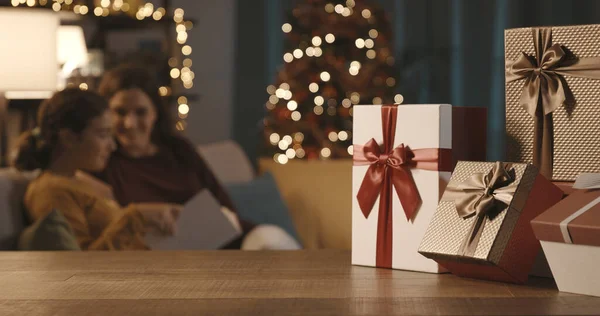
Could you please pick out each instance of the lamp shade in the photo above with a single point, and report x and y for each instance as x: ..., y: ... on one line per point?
x: 71, y: 46
x: 28, y: 55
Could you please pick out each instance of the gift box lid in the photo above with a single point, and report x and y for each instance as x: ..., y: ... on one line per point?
x: 575, y: 219
x: 448, y: 230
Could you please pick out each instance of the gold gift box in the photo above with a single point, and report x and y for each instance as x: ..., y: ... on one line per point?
x: 576, y: 127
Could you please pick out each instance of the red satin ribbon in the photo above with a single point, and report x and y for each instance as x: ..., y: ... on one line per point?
x: 390, y: 167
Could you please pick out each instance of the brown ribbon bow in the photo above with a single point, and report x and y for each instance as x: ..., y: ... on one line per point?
x: 390, y: 167
x: 480, y: 195
x: 543, y: 76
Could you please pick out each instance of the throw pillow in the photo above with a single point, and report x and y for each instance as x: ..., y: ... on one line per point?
x: 259, y: 201
x: 51, y: 232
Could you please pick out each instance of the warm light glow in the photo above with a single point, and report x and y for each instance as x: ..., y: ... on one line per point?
x: 318, y: 52
x: 186, y: 50
x: 125, y: 7
x: 283, y: 145
x: 182, y: 99
x: 104, y: 3
x: 296, y: 116
x: 181, y: 37
x: 83, y: 86
x: 353, y: 71
x: 319, y: 100
x: 280, y: 93
x: 398, y: 98
x: 331, y: 110
x: 180, y: 125
x: 271, y: 89
x: 339, y: 9
x: 187, y: 62
x: 179, y: 28
x: 98, y: 11
x: 83, y: 10
x: 288, y: 57
x: 298, y: 53
x: 318, y: 110
x: 287, y: 139
x: 366, y: 13
x: 274, y: 99
x: 313, y: 87
x: 163, y: 91
x: 360, y: 43
x: 371, y: 54
x: 346, y: 103
x: 355, y: 97
x: 174, y: 73
x: 346, y: 12
x: 310, y: 51
x: 316, y: 41
x: 390, y: 81
x: 189, y: 25
x: 30, y: 3
x: 351, y: 150
x: 329, y: 38
x: 286, y: 28
x: 173, y: 62
x: 14, y: 3
x: 292, y: 105
x: 333, y: 136
x: 287, y: 95
x: 329, y: 8
x: 188, y: 84
x: 282, y: 159
x: 157, y: 15
x: 325, y: 152
x: 343, y: 135
x: 285, y: 86
x: 300, y: 153
x: 270, y: 105
x: 376, y: 100
x: 373, y: 33
x: 369, y: 43
x: 290, y: 153
x: 299, y: 137
x: 325, y: 76
x: 183, y: 108
x: 350, y: 3
x: 274, y: 138
x: 178, y: 12
x: 56, y: 7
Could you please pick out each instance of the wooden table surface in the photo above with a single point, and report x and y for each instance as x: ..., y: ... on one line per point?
x: 256, y: 283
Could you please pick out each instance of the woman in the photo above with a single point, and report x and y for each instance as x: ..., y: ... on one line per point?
x: 153, y: 164
x: 75, y: 133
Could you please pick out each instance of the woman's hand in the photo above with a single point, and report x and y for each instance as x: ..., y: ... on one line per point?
x: 160, y: 216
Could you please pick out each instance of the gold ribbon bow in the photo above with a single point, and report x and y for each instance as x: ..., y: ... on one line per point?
x: 481, y: 195
x: 543, y: 74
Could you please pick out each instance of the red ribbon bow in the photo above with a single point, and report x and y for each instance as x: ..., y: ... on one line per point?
x: 390, y: 167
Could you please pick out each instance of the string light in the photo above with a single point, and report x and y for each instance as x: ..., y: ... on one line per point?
x: 282, y: 159
x: 313, y: 87
x: 333, y: 136
x: 274, y: 138
x: 329, y: 8
x: 287, y: 139
x: 298, y: 53
x: 319, y: 100
x: 360, y: 43
x: 299, y: 137
x: 288, y: 57
x: 283, y: 145
x: 290, y: 153
x: 316, y: 41
x: 376, y: 100
x: 318, y: 52
x: 366, y: 13
x: 296, y: 116
x: 300, y: 153
x: 339, y: 9
x: 369, y: 43
x: 310, y: 51
x: 286, y: 28
x: 390, y: 82
x: 351, y: 150
x: 343, y: 135
x: 329, y: 38
x: 318, y: 110
x: 325, y: 76
x: 184, y: 108
x: 325, y: 152
x: 371, y: 54
x: 398, y: 98
x: 274, y: 99
x: 373, y: 33
x: 292, y: 105
x: 83, y: 86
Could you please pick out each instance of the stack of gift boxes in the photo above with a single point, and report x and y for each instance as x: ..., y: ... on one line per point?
x: 425, y: 199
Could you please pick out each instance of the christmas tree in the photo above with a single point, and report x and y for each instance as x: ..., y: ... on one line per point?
x: 337, y: 54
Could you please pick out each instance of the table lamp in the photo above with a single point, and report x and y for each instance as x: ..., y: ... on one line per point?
x: 28, y: 58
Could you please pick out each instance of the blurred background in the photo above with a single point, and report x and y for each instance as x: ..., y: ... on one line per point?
x: 277, y: 78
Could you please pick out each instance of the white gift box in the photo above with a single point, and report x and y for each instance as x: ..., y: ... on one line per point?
x: 424, y: 127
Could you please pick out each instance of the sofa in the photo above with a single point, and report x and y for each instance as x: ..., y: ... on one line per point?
x: 316, y: 194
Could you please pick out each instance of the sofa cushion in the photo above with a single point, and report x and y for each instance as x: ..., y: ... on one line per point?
x: 12, y: 219
x: 259, y: 201
x: 51, y: 232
